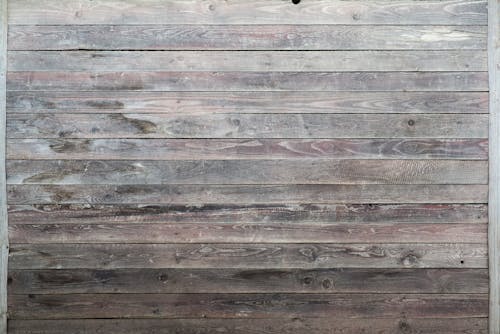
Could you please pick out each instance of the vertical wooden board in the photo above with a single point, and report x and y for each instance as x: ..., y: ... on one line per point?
x: 4, y: 248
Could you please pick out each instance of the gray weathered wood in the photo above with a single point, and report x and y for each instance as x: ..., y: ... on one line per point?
x: 246, y: 37
x: 298, y: 61
x: 248, y: 126
x: 257, y: 256
x: 247, y: 194
x: 40, y: 12
x: 304, y: 171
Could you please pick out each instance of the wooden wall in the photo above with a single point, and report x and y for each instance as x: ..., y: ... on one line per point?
x: 247, y: 166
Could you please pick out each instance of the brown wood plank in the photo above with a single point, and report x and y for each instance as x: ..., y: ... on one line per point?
x: 251, y: 326
x: 247, y: 172
x: 248, y: 81
x: 267, y: 126
x: 247, y: 194
x: 298, y: 61
x: 247, y: 102
x: 257, y: 256
x: 299, y: 213
x: 259, y: 12
x: 248, y: 281
x: 247, y: 306
x: 233, y: 149
x: 246, y: 37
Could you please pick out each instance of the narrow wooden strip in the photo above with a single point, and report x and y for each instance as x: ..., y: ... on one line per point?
x: 300, y: 213
x: 259, y: 12
x: 256, y: 256
x: 248, y: 102
x: 247, y: 194
x: 247, y: 172
x: 246, y: 126
x: 247, y: 306
x: 208, y: 149
x: 298, y: 61
x: 246, y: 37
x: 248, y: 281
x: 248, y: 81
x: 237, y: 232
x: 250, y: 326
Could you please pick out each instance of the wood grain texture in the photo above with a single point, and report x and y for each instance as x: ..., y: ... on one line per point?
x: 298, y: 213
x: 247, y: 194
x: 297, y: 61
x: 247, y: 306
x: 247, y: 256
x: 267, y: 126
x: 234, y: 149
x: 247, y: 172
x: 248, y: 281
x: 247, y: 102
x: 462, y: 12
x: 246, y: 37
x: 248, y: 81
x: 251, y: 326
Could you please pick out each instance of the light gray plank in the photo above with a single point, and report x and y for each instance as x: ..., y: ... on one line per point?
x: 39, y: 12
x: 298, y: 61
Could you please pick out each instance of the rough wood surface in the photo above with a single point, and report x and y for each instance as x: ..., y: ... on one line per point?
x: 462, y: 12
x: 297, y: 325
x: 298, y: 61
x: 248, y: 81
x: 247, y: 194
x: 246, y: 37
x: 247, y: 102
x: 267, y: 126
x: 306, y: 171
x: 257, y: 256
x: 233, y: 149
x: 248, y: 306
x: 248, y: 281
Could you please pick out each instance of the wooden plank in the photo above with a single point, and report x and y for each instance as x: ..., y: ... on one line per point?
x: 248, y: 81
x: 494, y: 191
x: 462, y: 12
x: 248, y: 102
x: 297, y: 61
x: 248, y: 281
x: 248, y: 306
x: 241, y: 233
x: 246, y: 37
x: 250, y: 326
x: 248, y: 194
x: 301, y: 213
x: 267, y: 126
x: 305, y: 171
x: 208, y: 149
x: 247, y: 256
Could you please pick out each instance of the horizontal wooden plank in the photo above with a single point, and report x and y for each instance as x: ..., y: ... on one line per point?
x: 250, y: 326
x: 240, y: 12
x: 248, y: 281
x: 247, y: 102
x: 303, y: 171
x: 247, y: 194
x: 301, y: 213
x: 248, y: 81
x: 238, y: 232
x: 258, y: 256
x: 209, y: 149
x: 297, y: 61
x: 246, y: 37
x: 247, y: 306
x: 247, y: 126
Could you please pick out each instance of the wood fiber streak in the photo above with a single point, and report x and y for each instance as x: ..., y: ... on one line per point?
x: 256, y: 256
x: 267, y: 126
x: 248, y: 281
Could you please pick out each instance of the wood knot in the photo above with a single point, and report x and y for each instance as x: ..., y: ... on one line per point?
x: 411, y: 122
x: 295, y: 2
x: 163, y: 277
x: 409, y: 260
x: 307, y: 280
x: 327, y: 284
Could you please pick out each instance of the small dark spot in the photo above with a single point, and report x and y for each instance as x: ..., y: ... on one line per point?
x: 356, y: 16
x: 411, y: 122
x: 236, y: 122
x: 404, y: 326
x: 462, y: 261
x: 211, y: 7
x: 78, y: 14
x: 94, y: 130
x: 31, y: 296
x: 307, y: 280
x: 48, y: 105
x: 156, y: 311
x: 63, y: 134
x: 327, y: 284
x: 295, y: 2
x: 10, y: 280
x: 163, y: 277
